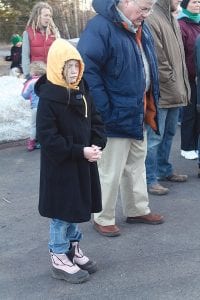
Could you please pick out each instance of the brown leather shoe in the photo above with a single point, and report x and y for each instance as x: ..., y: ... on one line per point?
x: 110, y: 230
x: 152, y: 219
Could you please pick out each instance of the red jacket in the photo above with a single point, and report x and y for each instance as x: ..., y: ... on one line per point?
x: 39, y: 45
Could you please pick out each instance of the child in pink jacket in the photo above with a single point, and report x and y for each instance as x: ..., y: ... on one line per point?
x: 37, y: 69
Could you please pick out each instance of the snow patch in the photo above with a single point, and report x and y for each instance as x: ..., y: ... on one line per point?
x: 15, y: 112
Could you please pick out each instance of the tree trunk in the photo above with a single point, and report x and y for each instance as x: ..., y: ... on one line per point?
x: 76, y: 6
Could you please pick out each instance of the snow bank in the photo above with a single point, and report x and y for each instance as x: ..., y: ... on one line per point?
x: 15, y: 112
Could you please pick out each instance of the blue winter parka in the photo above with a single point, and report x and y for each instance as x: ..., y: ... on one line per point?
x: 114, y: 71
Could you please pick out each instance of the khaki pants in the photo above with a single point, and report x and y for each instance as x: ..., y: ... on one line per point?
x: 123, y: 165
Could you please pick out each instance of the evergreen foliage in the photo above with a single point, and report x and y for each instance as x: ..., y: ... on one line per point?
x: 70, y: 16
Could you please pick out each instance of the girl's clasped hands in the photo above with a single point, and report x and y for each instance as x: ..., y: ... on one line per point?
x: 92, y: 153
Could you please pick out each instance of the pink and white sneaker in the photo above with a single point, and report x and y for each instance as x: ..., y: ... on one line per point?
x: 31, y: 145
x: 63, y: 267
x: 82, y: 260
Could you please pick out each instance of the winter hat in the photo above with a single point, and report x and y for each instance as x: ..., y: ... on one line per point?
x: 184, y: 3
x: 59, y: 53
x: 16, y: 38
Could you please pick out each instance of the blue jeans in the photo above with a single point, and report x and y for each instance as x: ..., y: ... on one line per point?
x: 62, y: 234
x: 159, y: 146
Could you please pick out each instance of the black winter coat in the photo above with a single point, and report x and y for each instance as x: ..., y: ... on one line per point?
x: 69, y: 184
x: 15, y: 57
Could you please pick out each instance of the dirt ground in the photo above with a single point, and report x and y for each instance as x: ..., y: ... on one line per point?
x: 4, y: 65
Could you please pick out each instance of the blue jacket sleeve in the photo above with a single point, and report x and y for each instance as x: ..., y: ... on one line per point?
x: 95, y: 58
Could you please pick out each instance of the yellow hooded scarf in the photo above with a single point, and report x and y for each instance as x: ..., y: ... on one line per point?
x: 59, y: 53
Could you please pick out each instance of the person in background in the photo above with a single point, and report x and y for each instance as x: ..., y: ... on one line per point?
x: 189, y: 21
x: 39, y: 35
x: 15, y: 56
x: 174, y: 93
x: 72, y: 137
x: 177, y: 11
x: 121, y: 71
x: 197, y: 52
x: 37, y: 69
x: 175, y: 14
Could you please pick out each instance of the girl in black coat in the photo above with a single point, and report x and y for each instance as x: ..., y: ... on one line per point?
x: 71, y: 135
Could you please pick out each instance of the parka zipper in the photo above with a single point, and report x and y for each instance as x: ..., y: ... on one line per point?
x: 86, y: 109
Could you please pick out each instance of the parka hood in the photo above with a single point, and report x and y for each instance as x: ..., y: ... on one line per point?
x: 56, y: 93
x: 107, y: 8
x: 60, y: 52
x: 39, y: 83
x: 165, y: 6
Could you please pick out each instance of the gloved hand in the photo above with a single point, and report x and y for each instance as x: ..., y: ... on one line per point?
x: 7, y: 58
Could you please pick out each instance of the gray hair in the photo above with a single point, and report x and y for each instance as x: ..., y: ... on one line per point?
x: 120, y: 2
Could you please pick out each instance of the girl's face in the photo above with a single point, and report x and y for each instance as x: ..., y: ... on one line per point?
x: 45, y: 17
x: 194, y: 6
x: 71, y: 71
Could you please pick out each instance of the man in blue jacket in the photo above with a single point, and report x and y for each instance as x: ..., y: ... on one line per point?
x: 121, y: 71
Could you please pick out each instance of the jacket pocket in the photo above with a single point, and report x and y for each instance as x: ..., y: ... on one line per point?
x: 115, y: 67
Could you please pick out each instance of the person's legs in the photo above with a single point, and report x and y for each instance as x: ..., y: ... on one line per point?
x: 62, y: 234
x: 63, y: 254
x: 111, y: 167
x: 180, y: 115
x: 153, y: 142
x: 164, y: 167
x: 133, y: 187
x: 189, y: 136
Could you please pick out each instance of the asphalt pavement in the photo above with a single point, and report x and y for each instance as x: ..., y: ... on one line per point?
x: 147, y: 262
